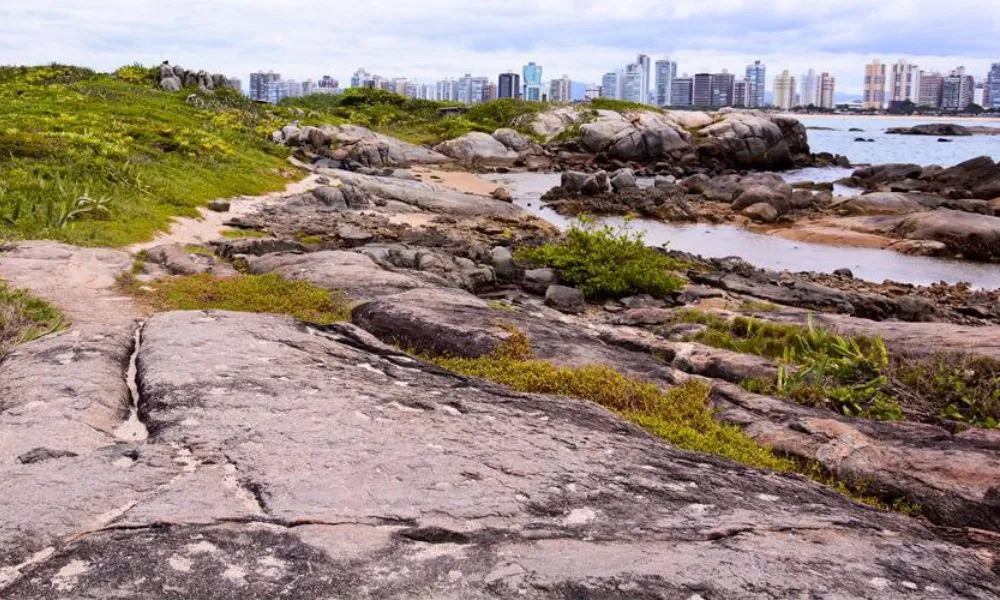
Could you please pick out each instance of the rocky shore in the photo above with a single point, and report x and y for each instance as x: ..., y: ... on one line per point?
x: 226, y: 454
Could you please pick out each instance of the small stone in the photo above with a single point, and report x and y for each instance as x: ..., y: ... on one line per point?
x: 503, y: 263
x: 502, y: 194
x: 565, y: 299
x: 537, y: 281
x: 761, y: 212
x: 219, y: 205
x: 846, y: 273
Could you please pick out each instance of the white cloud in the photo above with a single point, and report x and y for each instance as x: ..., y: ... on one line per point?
x: 430, y: 39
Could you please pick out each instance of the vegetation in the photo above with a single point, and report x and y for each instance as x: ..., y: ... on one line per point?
x: 242, y: 233
x: 417, y: 121
x: 246, y: 293
x: 857, y: 375
x: 619, y: 105
x: 681, y: 415
x: 604, y: 261
x: 106, y: 159
x: 24, y: 318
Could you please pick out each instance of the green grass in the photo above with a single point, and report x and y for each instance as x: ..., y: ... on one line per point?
x: 858, y: 375
x: 142, y: 154
x: 412, y: 120
x: 242, y: 233
x: 24, y: 318
x: 607, y: 262
x: 246, y: 293
x: 620, y: 105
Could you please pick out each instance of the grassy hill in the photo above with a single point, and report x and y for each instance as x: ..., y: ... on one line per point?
x: 106, y: 159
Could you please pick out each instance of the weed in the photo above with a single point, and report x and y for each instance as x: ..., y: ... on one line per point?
x: 757, y: 306
x: 309, y: 239
x: 604, y: 261
x: 501, y: 305
x: 199, y: 250
x: 243, y: 233
x: 248, y: 293
x: 24, y: 318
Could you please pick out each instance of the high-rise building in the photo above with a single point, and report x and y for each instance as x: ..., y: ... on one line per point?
x: 827, y: 87
x: 929, y: 92
x: 666, y: 71
x: 809, y: 91
x: 532, y: 74
x: 991, y: 98
x: 979, y: 94
x: 904, y: 83
x: 509, y: 85
x: 328, y: 82
x: 756, y: 74
x: 490, y: 91
x: 874, y: 88
x: 236, y: 83
x: 611, y: 85
x: 682, y: 91
x: 632, y: 82
x: 359, y: 78
x: 701, y: 94
x: 591, y: 91
x: 643, y: 61
x: 447, y: 90
x: 956, y: 90
x: 281, y: 89
x: 259, y: 82
x: 784, y: 90
x: 741, y: 93
x: 722, y: 88
x: 561, y: 90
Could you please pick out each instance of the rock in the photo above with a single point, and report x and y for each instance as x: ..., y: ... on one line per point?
x: 362, y: 147
x: 980, y: 177
x: 434, y: 265
x: 219, y: 205
x: 642, y: 301
x: 171, y: 84
x: 565, y: 299
x: 689, y: 119
x: 476, y: 147
x: 353, y: 236
x: 761, y: 212
x: 175, y: 259
x: 572, y: 181
x: 354, y: 274
x: 757, y: 194
x: 512, y: 139
x: 877, y: 175
x: 292, y: 135
x: 880, y: 203
x: 256, y: 247
x: 623, y: 179
x: 855, y: 129
x: 503, y: 263
x: 696, y: 184
x: 845, y: 273
x: 753, y: 140
x: 916, y: 309
x: 932, y: 129
x: 944, y: 140
x: 802, y: 199
x: 642, y: 136
x: 664, y: 182
x: 502, y: 194
x: 315, y: 137
x: 550, y: 123
x: 330, y: 196
x: 425, y: 196
x: 972, y: 236
x: 596, y: 184
x: 537, y: 281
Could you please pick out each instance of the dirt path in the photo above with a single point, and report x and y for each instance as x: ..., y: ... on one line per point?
x: 82, y: 281
x: 461, y: 181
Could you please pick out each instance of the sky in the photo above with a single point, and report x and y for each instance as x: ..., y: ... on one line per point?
x: 426, y: 40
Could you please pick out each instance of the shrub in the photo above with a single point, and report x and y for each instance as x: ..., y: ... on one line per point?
x: 24, y: 318
x: 619, y: 105
x: 248, y: 293
x: 604, y: 261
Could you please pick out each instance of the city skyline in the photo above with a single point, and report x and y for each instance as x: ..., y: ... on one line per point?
x: 444, y: 38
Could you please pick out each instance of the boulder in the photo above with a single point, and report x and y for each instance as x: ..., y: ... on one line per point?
x: 623, y: 179
x: 502, y: 194
x: 476, y: 147
x: 878, y: 175
x: 932, y: 129
x: 503, y: 263
x: 550, y: 123
x: 174, y: 259
x: 330, y: 196
x: 363, y: 147
x: 219, y: 206
x: 690, y: 119
x: 641, y: 136
x: 565, y: 299
x: 537, y: 281
x: 512, y: 139
x: 596, y: 184
x: 757, y: 194
x: 572, y: 181
x: 970, y: 235
x: 761, y: 212
x: 171, y: 84
x: 880, y: 203
x: 980, y: 177
x: 753, y: 140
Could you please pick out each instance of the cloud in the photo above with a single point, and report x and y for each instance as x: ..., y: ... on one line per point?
x: 432, y: 39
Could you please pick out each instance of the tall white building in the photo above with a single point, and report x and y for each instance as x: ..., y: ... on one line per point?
x: 592, y: 91
x: 447, y: 90
x: 632, y: 83
x: 827, y: 88
x: 561, y: 90
x: 643, y: 61
x: 666, y: 72
x: 784, y: 90
x: 904, y: 82
x: 810, y: 91
x: 756, y: 80
x: 611, y: 85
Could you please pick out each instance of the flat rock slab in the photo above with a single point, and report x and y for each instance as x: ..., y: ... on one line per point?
x: 80, y: 281
x: 290, y: 461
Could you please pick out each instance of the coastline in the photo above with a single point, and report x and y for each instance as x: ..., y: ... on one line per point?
x: 930, y: 119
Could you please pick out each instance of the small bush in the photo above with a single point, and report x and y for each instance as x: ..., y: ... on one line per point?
x: 24, y: 318
x: 604, y: 261
x: 242, y: 233
x: 619, y: 105
x: 249, y: 293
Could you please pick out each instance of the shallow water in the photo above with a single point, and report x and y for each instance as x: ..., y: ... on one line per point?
x: 719, y: 241
x: 892, y: 148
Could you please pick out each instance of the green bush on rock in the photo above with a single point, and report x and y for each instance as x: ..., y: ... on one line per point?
x: 24, y: 318
x: 607, y: 262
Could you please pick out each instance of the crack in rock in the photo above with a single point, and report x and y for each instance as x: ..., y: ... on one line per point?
x: 133, y: 430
